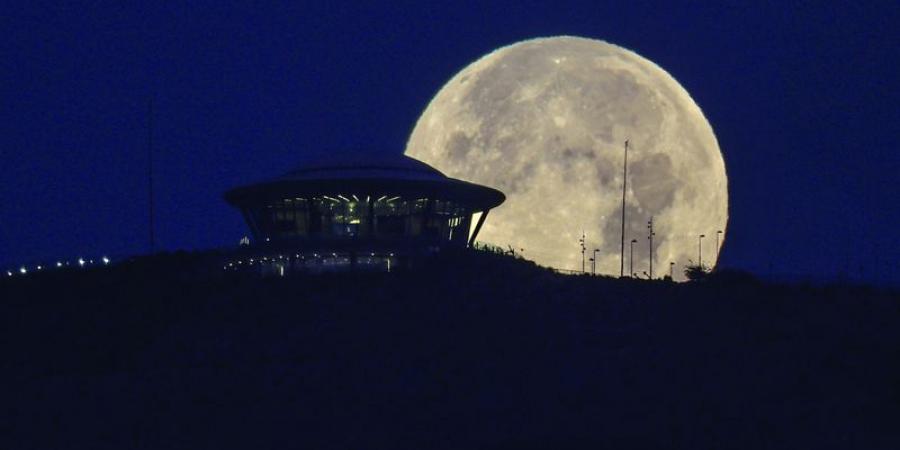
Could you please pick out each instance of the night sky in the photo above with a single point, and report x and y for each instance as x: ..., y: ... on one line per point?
x: 804, y: 100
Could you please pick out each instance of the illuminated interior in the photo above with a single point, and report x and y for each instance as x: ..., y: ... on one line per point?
x: 359, y: 216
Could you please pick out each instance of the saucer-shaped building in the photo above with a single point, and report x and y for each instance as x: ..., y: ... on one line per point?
x: 357, y: 210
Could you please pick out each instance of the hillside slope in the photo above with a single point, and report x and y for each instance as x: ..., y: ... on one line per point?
x: 479, y: 351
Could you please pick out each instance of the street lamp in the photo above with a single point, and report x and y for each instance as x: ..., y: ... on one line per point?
x: 594, y: 262
x: 671, y: 269
x: 700, y: 250
x: 631, y: 266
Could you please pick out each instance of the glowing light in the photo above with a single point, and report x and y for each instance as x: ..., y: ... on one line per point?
x: 105, y: 260
x: 23, y: 270
x: 40, y: 267
x: 80, y: 262
x: 8, y: 273
x: 58, y: 264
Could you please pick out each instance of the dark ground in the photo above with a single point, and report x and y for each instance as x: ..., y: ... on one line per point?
x: 481, y: 352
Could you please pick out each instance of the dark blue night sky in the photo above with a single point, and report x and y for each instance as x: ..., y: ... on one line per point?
x: 804, y: 99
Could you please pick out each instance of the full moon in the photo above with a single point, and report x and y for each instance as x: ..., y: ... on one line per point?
x: 546, y: 120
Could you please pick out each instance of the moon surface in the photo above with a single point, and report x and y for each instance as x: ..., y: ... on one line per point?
x: 545, y: 121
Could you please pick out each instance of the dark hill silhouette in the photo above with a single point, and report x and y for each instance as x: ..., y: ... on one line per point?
x: 474, y: 351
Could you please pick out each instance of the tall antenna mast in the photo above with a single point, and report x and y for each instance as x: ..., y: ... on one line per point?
x: 150, y: 172
x: 582, y: 241
x: 624, y: 184
x: 650, y: 236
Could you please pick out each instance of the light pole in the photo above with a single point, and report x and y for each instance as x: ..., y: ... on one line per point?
x: 700, y: 250
x: 631, y: 266
x: 650, y: 237
x: 624, y: 184
x: 594, y: 262
x: 671, y: 270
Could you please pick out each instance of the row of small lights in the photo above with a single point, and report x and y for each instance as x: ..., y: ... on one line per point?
x: 81, y: 262
x: 341, y: 197
x: 265, y: 259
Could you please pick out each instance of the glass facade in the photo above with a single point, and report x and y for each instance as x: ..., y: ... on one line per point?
x: 352, y: 216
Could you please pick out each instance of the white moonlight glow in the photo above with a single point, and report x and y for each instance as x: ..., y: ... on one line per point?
x: 545, y: 121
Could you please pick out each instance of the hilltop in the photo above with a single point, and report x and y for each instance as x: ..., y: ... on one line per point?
x: 473, y: 351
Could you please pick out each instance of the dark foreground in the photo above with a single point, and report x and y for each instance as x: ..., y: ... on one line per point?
x: 487, y: 352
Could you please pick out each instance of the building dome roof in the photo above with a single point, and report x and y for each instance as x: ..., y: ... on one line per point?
x: 358, y: 165
x: 349, y: 173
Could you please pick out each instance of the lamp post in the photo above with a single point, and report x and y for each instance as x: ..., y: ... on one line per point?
x: 594, y: 262
x: 631, y: 265
x: 700, y: 250
x: 672, y: 270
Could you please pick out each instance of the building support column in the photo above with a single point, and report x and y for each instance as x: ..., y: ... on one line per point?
x: 478, y: 227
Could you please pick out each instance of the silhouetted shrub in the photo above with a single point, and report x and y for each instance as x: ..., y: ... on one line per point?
x: 696, y: 272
